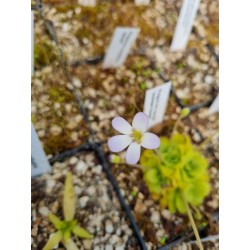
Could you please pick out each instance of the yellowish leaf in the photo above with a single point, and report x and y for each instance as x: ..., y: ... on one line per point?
x: 54, y: 240
x: 81, y: 232
x: 69, y: 199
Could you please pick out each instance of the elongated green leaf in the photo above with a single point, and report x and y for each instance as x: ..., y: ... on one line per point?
x: 70, y: 245
x: 55, y: 220
x: 81, y: 232
x: 66, y: 235
x: 69, y: 199
x: 54, y: 239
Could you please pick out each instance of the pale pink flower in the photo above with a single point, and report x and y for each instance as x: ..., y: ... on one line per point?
x: 133, y: 136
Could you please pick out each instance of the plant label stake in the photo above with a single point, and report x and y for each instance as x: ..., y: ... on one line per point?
x: 142, y: 2
x: 119, y: 48
x: 155, y: 103
x: 39, y: 161
x: 90, y: 3
x: 32, y: 43
x: 214, y: 106
x: 184, y: 24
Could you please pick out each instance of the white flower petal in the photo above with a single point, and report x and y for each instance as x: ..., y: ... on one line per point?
x: 121, y: 125
x: 119, y: 142
x: 140, y: 122
x: 133, y: 153
x: 150, y: 141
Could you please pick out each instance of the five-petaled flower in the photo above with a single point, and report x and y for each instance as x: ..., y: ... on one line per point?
x: 133, y: 136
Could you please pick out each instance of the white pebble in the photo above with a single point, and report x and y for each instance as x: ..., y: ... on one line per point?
x: 73, y: 160
x: 83, y: 201
x: 155, y: 217
x: 81, y: 167
x: 109, y: 228
x: 209, y: 79
x: 122, y: 247
x: 91, y: 190
x: 76, y: 82
x: 44, y: 211
x: 108, y: 247
x: 97, y: 169
x: 166, y: 214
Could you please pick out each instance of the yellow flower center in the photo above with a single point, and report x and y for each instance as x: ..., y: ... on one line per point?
x: 137, y: 136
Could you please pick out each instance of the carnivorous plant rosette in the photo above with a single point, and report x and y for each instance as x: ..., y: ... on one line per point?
x: 133, y: 137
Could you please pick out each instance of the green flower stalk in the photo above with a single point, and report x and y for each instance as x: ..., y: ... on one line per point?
x: 69, y: 225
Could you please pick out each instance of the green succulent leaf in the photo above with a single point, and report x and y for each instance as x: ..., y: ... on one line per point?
x: 179, y: 203
x: 81, y: 232
x: 149, y: 160
x: 195, y: 166
x: 197, y: 191
x: 54, y: 240
x: 177, y: 171
x: 69, y: 199
x: 56, y: 221
x: 70, y: 245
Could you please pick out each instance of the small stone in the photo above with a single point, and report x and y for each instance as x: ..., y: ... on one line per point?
x: 76, y: 82
x: 34, y: 231
x: 41, y: 133
x: 91, y: 190
x: 51, y: 183
x: 55, y: 130
x: 114, y: 239
x: 109, y: 228
x: 87, y: 244
x: 97, y: 169
x: 108, y: 247
x: 209, y: 79
x: 44, y: 211
x: 83, y: 201
x: 77, y: 189
x: 166, y: 214
x: 74, y: 136
x: 155, y: 217
x: 73, y: 160
x: 119, y: 231
x: 81, y: 167
x: 121, y: 247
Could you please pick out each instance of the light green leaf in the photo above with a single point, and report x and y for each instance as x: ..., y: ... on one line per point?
x: 54, y: 240
x: 70, y: 245
x: 179, y: 202
x: 81, y: 232
x: 69, y: 199
x: 66, y: 235
x: 55, y: 220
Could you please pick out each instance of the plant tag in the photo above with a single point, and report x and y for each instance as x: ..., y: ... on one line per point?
x: 90, y: 3
x: 119, y: 48
x: 214, y: 106
x: 39, y: 161
x: 155, y: 103
x: 184, y: 24
x: 142, y: 2
x: 32, y: 43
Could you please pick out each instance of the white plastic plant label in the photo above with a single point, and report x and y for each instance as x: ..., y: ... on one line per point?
x: 119, y: 48
x: 90, y: 3
x: 39, y: 161
x: 184, y: 24
x: 155, y: 103
x: 214, y: 106
x: 142, y: 2
x: 32, y: 43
